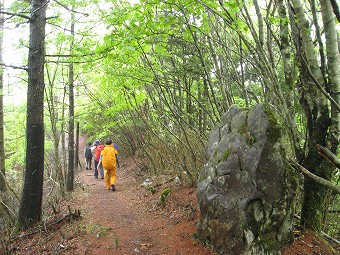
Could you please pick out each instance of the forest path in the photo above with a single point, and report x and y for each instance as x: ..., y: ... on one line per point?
x: 131, y: 220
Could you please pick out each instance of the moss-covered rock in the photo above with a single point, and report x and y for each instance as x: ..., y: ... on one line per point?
x: 247, y: 190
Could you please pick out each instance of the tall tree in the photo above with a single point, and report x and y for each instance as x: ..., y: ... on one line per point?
x: 2, y: 147
x: 316, y: 107
x: 30, y: 211
x: 70, y: 172
x: 333, y: 64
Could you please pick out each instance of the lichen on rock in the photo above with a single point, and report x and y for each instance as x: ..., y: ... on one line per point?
x: 246, y: 191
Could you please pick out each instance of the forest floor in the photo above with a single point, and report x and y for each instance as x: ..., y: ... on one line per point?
x: 128, y: 221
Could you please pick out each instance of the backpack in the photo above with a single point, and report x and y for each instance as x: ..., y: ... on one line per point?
x: 88, y: 153
x: 109, y: 157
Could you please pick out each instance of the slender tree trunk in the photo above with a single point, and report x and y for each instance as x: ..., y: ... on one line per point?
x: 70, y: 172
x: 317, y: 115
x: 76, y: 153
x: 2, y: 142
x: 30, y: 211
x: 63, y: 136
x: 260, y: 22
x: 290, y: 77
x: 319, y: 38
x: 243, y: 87
x: 220, y: 76
x: 333, y: 64
x: 52, y: 101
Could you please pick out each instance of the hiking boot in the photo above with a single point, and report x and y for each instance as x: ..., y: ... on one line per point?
x: 113, y: 187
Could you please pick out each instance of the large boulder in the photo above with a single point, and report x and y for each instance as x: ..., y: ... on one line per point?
x: 246, y: 189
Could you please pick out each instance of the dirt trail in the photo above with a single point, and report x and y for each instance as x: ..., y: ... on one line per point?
x: 130, y: 220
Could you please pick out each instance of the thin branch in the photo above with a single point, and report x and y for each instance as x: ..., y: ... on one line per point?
x: 9, y: 186
x: 9, y: 210
x: 42, y: 6
x: 75, y: 62
x: 52, y: 17
x: 64, y: 6
x: 319, y: 180
x: 323, y: 91
x: 322, y: 233
x: 327, y: 154
x: 69, y: 216
x: 336, y: 9
x: 16, y: 14
x: 70, y: 56
x: 14, y: 67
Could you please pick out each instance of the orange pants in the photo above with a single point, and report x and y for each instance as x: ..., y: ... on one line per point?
x: 110, y: 177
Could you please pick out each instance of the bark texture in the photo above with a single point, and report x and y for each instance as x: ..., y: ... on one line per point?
x: 316, y: 109
x: 31, y: 205
x: 246, y: 191
x: 2, y: 145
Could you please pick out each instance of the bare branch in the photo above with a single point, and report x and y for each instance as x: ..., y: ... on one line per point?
x: 323, y: 91
x: 9, y: 187
x: 71, y: 56
x: 85, y: 14
x: 75, y: 62
x: 52, y: 17
x: 8, y: 209
x: 16, y: 14
x: 14, y: 67
x: 319, y: 180
x: 327, y: 154
x: 336, y: 9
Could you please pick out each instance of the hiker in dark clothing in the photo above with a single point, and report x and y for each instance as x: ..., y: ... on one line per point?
x: 88, y: 156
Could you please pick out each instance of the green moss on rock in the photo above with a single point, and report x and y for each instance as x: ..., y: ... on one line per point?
x: 273, y: 132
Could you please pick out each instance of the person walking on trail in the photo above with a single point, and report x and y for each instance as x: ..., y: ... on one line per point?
x: 99, y: 148
x: 108, y: 159
x: 88, y: 156
x: 93, y: 147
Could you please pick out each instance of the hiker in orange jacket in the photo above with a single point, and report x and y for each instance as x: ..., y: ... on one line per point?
x: 108, y: 158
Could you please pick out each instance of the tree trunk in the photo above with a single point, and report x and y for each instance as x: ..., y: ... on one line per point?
x: 31, y: 205
x: 333, y: 65
x: 76, y: 153
x: 317, y: 115
x: 2, y: 146
x: 63, y: 136
x: 70, y: 172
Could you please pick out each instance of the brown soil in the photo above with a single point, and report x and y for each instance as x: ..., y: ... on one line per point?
x: 130, y: 220
x: 307, y: 243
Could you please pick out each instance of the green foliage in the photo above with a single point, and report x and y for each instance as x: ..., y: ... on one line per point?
x: 14, y: 130
x: 166, y: 192
x: 224, y: 156
x: 157, y: 76
x: 240, y: 102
